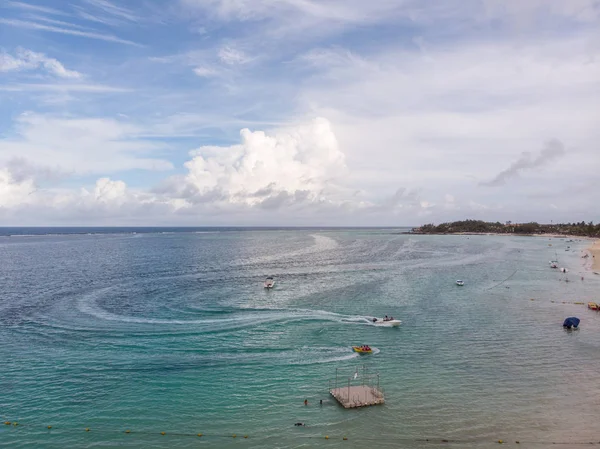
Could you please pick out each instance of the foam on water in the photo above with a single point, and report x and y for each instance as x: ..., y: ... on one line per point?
x: 88, y: 304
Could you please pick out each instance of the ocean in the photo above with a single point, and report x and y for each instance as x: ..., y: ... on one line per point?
x: 152, y: 330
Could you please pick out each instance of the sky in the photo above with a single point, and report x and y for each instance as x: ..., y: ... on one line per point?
x: 298, y: 112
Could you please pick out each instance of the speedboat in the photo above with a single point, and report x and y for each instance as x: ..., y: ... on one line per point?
x: 553, y: 264
x: 269, y: 282
x: 362, y: 349
x: 459, y: 282
x: 386, y: 323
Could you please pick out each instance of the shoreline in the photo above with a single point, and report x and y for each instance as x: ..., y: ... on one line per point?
x: 511, y: 234
x: 594, y: 250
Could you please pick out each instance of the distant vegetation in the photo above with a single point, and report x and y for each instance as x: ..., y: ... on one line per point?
x: 478, y: 226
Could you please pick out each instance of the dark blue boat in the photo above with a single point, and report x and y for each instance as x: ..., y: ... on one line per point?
x: 571, y: 322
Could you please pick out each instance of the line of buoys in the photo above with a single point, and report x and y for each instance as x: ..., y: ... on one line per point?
x: 578, y: 303
x: 327, y: 437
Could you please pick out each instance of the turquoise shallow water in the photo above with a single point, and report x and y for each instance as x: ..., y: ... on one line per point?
x: 173, y: 332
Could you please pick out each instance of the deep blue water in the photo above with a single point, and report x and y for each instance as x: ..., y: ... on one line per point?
x: 171, y: 330
x: 93, y: 230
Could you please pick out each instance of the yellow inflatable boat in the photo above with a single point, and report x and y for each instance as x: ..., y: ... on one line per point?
x: 365, y: 349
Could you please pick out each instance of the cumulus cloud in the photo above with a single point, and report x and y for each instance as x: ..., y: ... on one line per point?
x: 14, y: 192
x: 107, y: 201
x: 290, y: 165
x: 552, y: 150
x: 109, y: 191
x: 30, y: 60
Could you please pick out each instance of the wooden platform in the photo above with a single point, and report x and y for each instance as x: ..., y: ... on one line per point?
x: 357, y: 396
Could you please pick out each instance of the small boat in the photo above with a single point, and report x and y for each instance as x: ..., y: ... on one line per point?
x: 571, y: 322
x: 365, y: 349
x: 459, y: 282
x: 386, y: 322
x: 593, y: 306
x: 269, y: 282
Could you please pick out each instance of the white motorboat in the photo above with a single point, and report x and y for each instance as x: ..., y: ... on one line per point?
x: 459, y: 282
x: 269, y: 282
x: 386, y: 322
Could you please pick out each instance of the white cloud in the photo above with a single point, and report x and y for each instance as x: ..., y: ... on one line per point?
x: 411, y: 111
x: 62, y: 23
x: 331, y: 57
x: 12, y: 191
x: 36, y: 8
x: 205, y: 72
x: 89, y: 145
x: 525, y: 12
x: 109, y: 191
x: 312, y: 19
x: 232, y: 56
x: 30, y: 60
x: 292, y: 165
x: 27, y: 24
x: 221, y: 62
x: 299, y: 11
x: 448, y: 119
x: 291, y: 175
x: 113, y: 10
x: 63, y: 88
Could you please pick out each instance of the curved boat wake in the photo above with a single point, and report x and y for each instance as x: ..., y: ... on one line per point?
x: 235, y: 319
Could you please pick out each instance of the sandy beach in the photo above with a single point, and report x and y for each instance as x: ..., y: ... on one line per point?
x: 595, y: 252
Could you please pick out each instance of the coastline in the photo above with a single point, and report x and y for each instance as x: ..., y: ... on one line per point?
x: 594, y: 250
x: 510, y: 234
